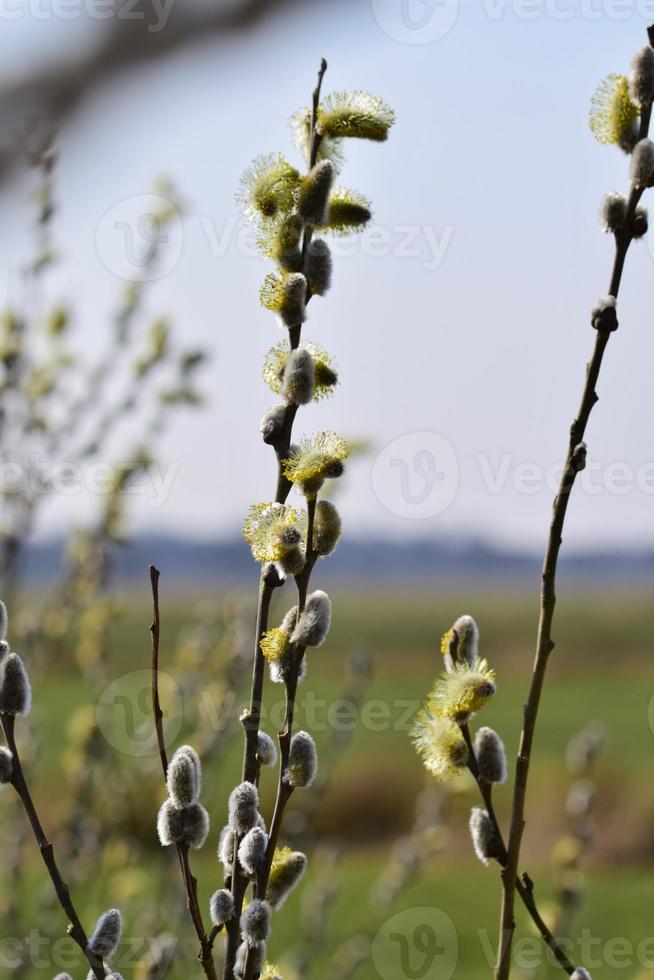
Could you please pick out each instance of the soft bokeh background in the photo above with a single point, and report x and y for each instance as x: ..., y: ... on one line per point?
x: 460, y: 323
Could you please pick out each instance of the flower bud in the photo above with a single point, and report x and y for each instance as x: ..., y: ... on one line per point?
x: 285, y: 247
x: 286, y: 871
x: 106, y: 935
x: 298, y: 378
x: 252, y: 850
x: 483, y: 835
x: 272, y: 424
x: 184, y: 779
x: 266, y: 750
x: 579, y: 457
x: 186, y: 825
x: 641, y: 82
x: 256, y: 954
x: 491, y: 757
x: 327, y: 528
x: 243, y: 808
x: 15, y: 689
x: 255, y: 922
x: 640, y: 222
x: 642, y: 163
x: 318, y: 266
x: 604, y: 315
x: 221, y: 907
x: 6, y: 766
x: 314, y: 622
x: 64, y: 976
x: 614, y: 212
x: 226, y: 848
x: 292, y: 562
x: 314, y: 192
x: 581, y: 974
x: 302, y: 760
x: 4, y: 621
x: 466, y: 632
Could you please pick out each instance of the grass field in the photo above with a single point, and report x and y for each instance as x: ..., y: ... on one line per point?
x: 602, y: 670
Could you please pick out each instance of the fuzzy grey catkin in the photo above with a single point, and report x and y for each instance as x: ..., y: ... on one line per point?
x: 292, y: 309
x: 257, y: 954
x: 221, y: 907
x: 483, y: 835
x: 266, y: 750
x: 252, y: 850
x: 640, y: 223
x: 243, y: 807
x: 4, y: 621
x: 298, y: 378
x: 467, y: 639
x: 6, y: 766
x: 15, y: 689
x: 605, y: 314
x: 184, y: 778
x: 63, y: 976
x: 302, y: 760
x: 491, y: 756
x: 292, y: 562
x: 314, y: 193
x: 318, y: 266
x: 642, y: 163
x: 109, y: 974
x: 272, y: 424
x: 186, y: 825
x: 255, y: 922
x: 226, y: 848
x: 641, y: 81
x: 327, y: 528
x: 614, y: 212
x: 581, y: 974
x: 285, y: 875
x: 105, y: 938
x: 314, y: 622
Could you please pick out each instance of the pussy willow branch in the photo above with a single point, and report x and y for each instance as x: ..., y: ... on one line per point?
x: 524, y: 885
x: 545, y: 643
x: 205, y: 955
x: 252, y: 717
x: 18, y: 781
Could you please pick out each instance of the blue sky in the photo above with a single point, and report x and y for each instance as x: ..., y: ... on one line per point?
x: 460, y: 321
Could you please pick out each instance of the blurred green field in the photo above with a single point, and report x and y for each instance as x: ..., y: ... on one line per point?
x: 602, y: 670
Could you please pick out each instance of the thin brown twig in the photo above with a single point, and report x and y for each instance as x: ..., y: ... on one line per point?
x: 18, y: 781
x: 545, y: 643
x: 205, y: 954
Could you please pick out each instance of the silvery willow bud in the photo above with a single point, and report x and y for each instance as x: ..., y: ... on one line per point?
x: 286, y: 871
x: 483, y: 835
x: 614, y: 212
x: 298, y: 378
x: 467, y: 640
x: 255, y: 922
x: 491, y: 757
x: 579, y: 457
x: 640, y: 223
x: 292, y: 562
x: 221, y: 907
x: 291, y: 309
x: 581, y: 974
x: 108, y: 974
x: 314, y: 192
x: 6, y: 766
x: 226, y: 848
x: 184, y: 778
x: 256, y: 954
x: 15, y: 689
x: 314, y: 622
x: 243, y: 808
x: 252, y: 850
x: 327, y: 528
x: 266, y: 750
x: 641, y: 82
x: 5, y: 650
x: 302, y: 760
x: 318, y: 266
x: 187, y: 825
x: 580, y: 797
x: 272, y: 424
x: 642, y: 163
x: 63, y: 976
x: 4, y: 621
x: 604, y: 315
x: 106, y: 935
